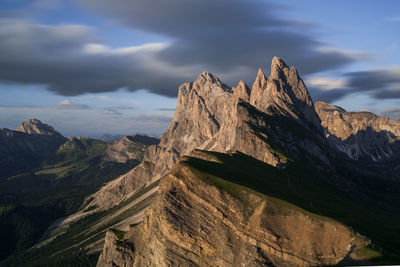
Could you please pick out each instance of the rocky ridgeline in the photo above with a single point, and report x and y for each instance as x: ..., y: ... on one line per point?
x: 360, y: 135
x: 193, y: 223
x: 33, y: 142
x: 213, y: 116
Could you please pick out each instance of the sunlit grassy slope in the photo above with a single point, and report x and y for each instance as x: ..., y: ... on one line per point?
x: 29, y: 202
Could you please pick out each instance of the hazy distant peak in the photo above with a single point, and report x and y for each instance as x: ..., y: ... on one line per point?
x: 35, y: 126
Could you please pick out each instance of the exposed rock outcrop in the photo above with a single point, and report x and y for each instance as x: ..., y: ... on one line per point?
x: 193, y: 223
x: 360, y: 135
x: 285, y: 93
x: 35, y: 126
x: 123, y: 150
x: 213, y: 116
x: 116, y: 251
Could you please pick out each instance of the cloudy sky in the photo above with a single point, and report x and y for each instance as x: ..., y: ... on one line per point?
x: 90, y: 67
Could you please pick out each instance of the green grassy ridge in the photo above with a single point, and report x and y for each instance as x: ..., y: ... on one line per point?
x: 63, y: 199
x: 64, y: 251
x: 74, y: 150
x: 62, y: 182
x: 308, y: 190
x: 240, y: 192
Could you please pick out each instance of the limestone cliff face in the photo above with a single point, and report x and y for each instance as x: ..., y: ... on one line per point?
x: 360, y: 135
x: 34, y: 126
x: 123, y: 150
x: 116, y: 252
x: 213, y: 116
x: 193, y: 223
x: 285, y: 93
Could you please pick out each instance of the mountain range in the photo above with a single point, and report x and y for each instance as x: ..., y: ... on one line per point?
x: 45, y: 176
x: 243, y: 176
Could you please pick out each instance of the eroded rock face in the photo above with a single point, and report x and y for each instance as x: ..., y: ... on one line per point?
x: 116, y: 252
x: 212, y: 116
x: 192, y: 223
x: 34, y: 126
x: 360, y: 135
x: 285, y: 93
x: 123, y: 150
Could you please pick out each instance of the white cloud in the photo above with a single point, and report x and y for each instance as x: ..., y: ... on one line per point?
x: 325, y: 83
x: 353, y: 54
x: 67, y: 104
x: 93, y: 48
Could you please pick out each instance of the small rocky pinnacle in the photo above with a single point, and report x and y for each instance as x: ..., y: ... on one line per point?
x: 242, y: 91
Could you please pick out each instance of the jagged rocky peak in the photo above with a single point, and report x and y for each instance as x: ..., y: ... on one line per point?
x: 284, y: 93
x: 206, y: 85
x: 278, y: 68
x: 242, y: 91
x: 35, y: 126
x: 207, y: 80
x: 203, y: 98
x: 258, y: 87
x: 287, y: 81
x: 205, y: 77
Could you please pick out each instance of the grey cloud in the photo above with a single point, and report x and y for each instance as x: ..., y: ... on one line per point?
x: 229, y: 38
x: 116, y: 110
x: 58, y: 60
x: 123, y: 107
x: 381, y: 84
x: 19, y: 106
x: 221, y: 35
x: 165, y: 109
x: 111, y: 111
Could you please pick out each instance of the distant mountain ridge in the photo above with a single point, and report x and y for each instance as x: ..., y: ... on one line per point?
x: 110, y: 137
x: 360, y: 135
x: 45, y: 176
x: 141, y: 138
x: 24, y: 148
